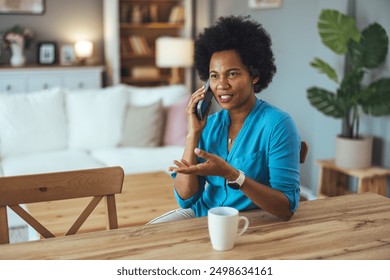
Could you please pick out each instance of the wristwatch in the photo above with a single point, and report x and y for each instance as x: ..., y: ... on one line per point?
x: 238, y: 182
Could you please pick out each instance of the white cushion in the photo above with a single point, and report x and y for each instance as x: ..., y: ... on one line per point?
x: 140, y: 160
x: 32, y: 122
x: 143, y: 126
x: 143, y: 96
x: 95, y: 119
x: 64, y: 160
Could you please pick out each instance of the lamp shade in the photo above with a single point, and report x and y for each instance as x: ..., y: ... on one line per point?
x: 83, y: 48
x: 174, y: 52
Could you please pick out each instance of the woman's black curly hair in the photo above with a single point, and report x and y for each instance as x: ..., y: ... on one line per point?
x: 244, y: 35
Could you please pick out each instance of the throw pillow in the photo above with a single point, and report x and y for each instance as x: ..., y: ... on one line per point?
x: 176, y: 123
x: 143, y: 125
x: 32, y: 122
x: 95, y: 118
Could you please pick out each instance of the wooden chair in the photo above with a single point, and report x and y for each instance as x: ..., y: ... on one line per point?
x: 302, y: 158
x: 95, y: 183
x: 303, y: 152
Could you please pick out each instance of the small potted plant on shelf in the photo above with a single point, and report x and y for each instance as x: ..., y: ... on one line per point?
x: 363, y: 51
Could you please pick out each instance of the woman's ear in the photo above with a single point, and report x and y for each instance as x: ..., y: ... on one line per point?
x: 255, y: 79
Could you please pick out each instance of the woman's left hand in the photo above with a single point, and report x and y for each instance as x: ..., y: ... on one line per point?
x: 213, y: 166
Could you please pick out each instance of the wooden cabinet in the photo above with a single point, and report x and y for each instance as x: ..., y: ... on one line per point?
x: 10, y: 83
x: 27, y: 79
x: 131, y: 29
x: 333, y: 180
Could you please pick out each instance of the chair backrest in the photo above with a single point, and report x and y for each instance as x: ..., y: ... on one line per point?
x: 303, y: 152
x: 96, y: 183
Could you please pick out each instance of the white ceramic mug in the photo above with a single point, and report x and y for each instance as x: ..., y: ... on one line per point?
x: 223, y: 226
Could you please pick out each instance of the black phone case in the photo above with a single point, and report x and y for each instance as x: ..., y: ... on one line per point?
x: 203, y: 104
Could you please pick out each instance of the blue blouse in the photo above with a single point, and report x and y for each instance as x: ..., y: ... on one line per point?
x: 266, y: 150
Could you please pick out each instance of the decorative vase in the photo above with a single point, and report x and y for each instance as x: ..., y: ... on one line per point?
x: 17, y: 57
x: 354, y: 153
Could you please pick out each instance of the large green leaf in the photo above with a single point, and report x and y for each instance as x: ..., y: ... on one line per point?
x: 375, y: 99
x: 351, y: 86
x: 325, y: 68
x: 326, y: 102
x: 336, y: 29
x: 372, y: 48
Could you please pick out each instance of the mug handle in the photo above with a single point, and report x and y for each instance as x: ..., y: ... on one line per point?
x: 245, y: 225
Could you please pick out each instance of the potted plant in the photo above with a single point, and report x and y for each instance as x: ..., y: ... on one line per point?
x: 363, y: 51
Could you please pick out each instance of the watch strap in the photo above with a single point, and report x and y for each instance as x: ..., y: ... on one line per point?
x: 237, y: 184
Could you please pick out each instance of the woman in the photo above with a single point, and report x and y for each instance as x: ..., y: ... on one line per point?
x: 247, y: 155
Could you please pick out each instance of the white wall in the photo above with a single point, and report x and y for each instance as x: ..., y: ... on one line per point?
x: 293, y: 29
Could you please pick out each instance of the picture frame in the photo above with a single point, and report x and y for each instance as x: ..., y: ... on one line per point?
x: 29, y: 7
x: 67, y: 55
x: 47, y: 52
x: 264, y: 4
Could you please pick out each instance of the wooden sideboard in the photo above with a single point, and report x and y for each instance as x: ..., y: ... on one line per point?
x: 33, y: 78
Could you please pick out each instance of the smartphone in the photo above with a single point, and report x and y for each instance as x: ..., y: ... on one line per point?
x: 204, y: 104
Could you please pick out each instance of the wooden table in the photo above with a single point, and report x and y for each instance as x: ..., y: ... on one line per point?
x: 355, y: 226
x: 333, y: 180
x: 144, y: 197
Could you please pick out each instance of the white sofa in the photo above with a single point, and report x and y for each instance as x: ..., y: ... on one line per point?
x: 139, y: 129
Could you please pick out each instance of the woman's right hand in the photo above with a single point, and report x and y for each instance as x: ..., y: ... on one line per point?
x: 194, y: 124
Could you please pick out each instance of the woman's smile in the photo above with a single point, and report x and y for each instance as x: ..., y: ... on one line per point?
x: 225, y: 98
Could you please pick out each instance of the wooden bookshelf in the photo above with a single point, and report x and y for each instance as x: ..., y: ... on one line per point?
x: 140, y: 24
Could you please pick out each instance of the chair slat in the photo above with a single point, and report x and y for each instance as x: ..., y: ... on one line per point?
x: 303, y: 152
x: 112, y: 219
x: 84, y: 215
x: 4, y: 235
x: 31, y: 221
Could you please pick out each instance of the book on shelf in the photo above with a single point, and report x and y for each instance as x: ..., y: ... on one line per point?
x: 139, y: 45
x: 124, y: 13
x: 125, y: 47
x: 144, y: 44
x: 153, y: 12
x: 177, y: 14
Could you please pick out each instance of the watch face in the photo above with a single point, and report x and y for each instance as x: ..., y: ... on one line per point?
x: 235, y: 186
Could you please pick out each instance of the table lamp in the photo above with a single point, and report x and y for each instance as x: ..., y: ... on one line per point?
x: 174, y: 52
x: 83, y: 49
